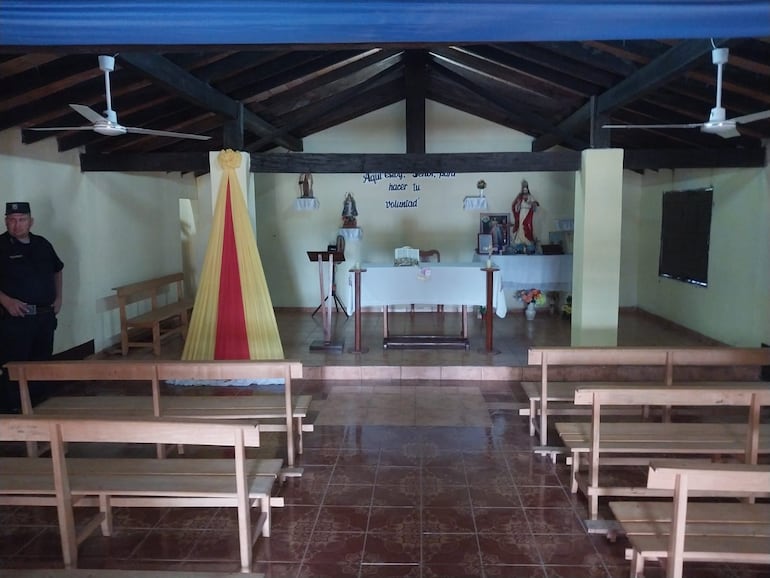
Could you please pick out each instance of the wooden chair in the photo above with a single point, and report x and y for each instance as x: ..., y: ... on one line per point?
x: 430, y: 256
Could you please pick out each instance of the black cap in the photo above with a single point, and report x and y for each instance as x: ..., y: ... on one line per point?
x: 11, y: 208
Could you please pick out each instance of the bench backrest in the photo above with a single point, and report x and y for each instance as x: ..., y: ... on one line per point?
x: 236, y: 369
x: 668, y: 357
x: 150, y: 285
x: 597, y: 356
x: 149, y: 370
x: 135, y: 430
x: 710, y: 477
x: 681, y: 477
x: 673, y: 395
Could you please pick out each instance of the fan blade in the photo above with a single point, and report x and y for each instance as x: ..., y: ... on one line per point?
x: 150, y: 131
x: 87, y: 112
x: 60, y: 128
x: 688, y: 125
x: 747, y: 118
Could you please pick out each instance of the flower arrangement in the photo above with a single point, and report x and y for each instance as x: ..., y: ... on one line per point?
x: 481, y: 185
x: 528, y: 296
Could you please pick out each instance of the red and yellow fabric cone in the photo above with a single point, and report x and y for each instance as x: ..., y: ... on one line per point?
x: 233, y: 317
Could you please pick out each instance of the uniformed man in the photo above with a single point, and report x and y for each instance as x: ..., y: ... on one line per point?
x: 30, y: 297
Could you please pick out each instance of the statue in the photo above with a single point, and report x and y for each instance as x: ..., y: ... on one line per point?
x: 306, y: 185
x: 349, y: 212
x: 523, y: 208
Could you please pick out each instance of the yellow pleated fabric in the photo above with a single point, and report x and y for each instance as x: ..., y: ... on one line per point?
x: 264, y: 341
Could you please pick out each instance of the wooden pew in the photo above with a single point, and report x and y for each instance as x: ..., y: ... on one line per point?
x: 66, y: 482
x: 666, y: 359
x: 636, y: 443
x: 174, y: 307
x: 289, y: 410
x: 683, y: 531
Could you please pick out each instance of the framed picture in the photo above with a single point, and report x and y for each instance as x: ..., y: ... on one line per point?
x: 497, y: 226
x: 484, y: 244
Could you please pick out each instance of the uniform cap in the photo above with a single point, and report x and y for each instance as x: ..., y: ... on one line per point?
x: 11, y: 208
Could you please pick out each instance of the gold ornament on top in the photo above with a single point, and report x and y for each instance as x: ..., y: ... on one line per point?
x: 229, y: 159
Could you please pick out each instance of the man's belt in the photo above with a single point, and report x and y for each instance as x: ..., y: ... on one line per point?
x: 39, y: 309
x: 32, y: 310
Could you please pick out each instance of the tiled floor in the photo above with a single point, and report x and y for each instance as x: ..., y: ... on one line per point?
x: 410, y: 479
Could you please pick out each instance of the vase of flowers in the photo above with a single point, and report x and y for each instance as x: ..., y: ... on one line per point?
x: 530, y: 298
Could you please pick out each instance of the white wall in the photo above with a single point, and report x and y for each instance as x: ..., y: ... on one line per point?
x: 734, y: 307
x: 284, y: 235
x: 108, y: 228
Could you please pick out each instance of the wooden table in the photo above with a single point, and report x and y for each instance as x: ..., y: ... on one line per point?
x: 450, y: 284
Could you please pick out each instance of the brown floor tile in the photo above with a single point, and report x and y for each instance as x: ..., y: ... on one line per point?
x: 507, y: 549
x: 391, y: 549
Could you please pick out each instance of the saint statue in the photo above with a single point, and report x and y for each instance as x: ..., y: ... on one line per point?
x: 349, y: 212
x: 523, y: 208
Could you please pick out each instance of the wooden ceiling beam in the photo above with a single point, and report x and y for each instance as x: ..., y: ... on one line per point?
x: 198, y: 162
x: 181, y: 82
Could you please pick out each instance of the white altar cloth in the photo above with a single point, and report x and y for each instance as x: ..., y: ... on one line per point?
x: 430, y: 283
x: 544, y: 272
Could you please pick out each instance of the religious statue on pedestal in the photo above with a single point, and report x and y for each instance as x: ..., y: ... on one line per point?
x: 523, y: 208
x: 349, y: 212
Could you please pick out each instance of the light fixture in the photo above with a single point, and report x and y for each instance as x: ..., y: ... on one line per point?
x: 477, y: 202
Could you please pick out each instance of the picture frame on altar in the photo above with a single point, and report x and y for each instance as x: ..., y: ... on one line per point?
x: 497, y: 226
x: 484, y: 244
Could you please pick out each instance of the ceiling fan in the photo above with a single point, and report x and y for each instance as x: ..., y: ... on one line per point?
x: 718, y: 123
x: 108, y: 124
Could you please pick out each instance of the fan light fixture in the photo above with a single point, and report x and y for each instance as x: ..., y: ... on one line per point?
x: 718, y: 123
x: 108, y: 123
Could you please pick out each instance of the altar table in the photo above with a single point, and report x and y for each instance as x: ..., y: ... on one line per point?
x: 430, y: 283
x: 544, y: 272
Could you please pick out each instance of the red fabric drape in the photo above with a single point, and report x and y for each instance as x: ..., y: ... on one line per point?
x: 232, y: 342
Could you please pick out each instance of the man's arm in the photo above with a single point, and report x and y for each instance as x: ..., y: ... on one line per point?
x: 57, y: 278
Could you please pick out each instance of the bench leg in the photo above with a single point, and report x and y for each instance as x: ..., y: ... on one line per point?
x: 124, y: 341
x: 575, y: 469
x: 264, y: 504
x: 156, y: 339
x: 300, y: 446
x: 637, y: 565
x: 593, y: 506
x: 532, y: 417
x: 105, y: 507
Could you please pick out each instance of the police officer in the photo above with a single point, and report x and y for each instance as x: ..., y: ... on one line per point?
x: 30, y: 298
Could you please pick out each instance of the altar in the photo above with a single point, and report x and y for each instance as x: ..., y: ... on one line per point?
x: 462, y: 284
x: 544, y: 272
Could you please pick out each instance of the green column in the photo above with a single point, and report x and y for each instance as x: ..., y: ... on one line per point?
x: 596, y: 260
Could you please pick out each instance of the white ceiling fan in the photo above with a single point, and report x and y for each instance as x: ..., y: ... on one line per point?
x: 718, y: 123
x: 108, y: 123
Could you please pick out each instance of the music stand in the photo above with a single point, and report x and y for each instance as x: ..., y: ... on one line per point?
x: 326, y: 285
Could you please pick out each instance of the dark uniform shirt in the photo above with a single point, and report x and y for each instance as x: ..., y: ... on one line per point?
x: 27, y: 270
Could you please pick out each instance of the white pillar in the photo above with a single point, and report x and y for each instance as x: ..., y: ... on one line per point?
x: 596, y: 260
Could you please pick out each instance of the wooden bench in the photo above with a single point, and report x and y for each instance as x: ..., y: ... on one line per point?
x: 288, y: 410
x: 162, y: 311
x: 636, y: 443
x: 685, y: 531
x: 66, y: 482
x: 658, y: 363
